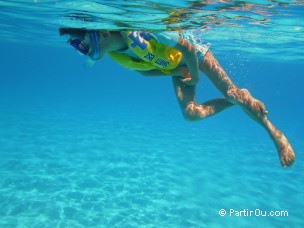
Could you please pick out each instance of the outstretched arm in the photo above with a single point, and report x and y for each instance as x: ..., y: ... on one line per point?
x: 189, y: 54
x: 152, y: 73
x: 180, y: 71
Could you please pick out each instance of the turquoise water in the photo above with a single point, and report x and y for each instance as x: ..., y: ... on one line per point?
x: 105, y: 147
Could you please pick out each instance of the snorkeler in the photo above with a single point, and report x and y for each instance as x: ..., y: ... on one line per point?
x: 180, y: 55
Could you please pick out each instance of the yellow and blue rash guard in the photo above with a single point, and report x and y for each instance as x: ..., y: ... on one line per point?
x: 146, y: 53
x: 150, y: 51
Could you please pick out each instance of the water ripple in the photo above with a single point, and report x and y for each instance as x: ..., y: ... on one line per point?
x: 226, y: 21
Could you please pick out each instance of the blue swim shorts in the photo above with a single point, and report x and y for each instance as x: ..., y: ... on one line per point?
x: 195, y: 38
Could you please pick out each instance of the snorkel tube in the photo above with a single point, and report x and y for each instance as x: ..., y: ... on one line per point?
x: 94, y: 38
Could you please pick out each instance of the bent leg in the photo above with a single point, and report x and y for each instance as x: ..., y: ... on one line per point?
x: 190, y: 109
x: 254, y: 108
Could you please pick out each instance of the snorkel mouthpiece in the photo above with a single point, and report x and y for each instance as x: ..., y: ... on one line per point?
x: 95, y: 42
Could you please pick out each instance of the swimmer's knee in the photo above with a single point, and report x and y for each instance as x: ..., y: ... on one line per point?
x: 192, y: 113
x: 189, y: 117
x: 233, y: 95
x: 188, y: 112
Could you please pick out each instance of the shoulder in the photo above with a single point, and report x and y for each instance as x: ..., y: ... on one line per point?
x: 169, y: 38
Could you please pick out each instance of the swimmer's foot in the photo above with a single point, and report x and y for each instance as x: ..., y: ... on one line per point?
x: 285, y: 151
x: 257, y: 111
x: 286, y: 154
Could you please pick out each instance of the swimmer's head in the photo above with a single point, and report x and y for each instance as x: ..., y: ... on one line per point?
x: 86, y: 42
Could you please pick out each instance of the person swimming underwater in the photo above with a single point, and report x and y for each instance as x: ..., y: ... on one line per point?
x: 180, y: 55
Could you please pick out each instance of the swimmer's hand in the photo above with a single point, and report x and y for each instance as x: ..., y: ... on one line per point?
x: 183, y: 72
x: 190, y: 81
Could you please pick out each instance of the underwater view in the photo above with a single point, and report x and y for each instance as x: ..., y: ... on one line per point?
x: 93, y: 144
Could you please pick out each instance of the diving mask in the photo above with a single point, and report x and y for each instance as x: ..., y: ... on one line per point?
x: 84, y: 47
